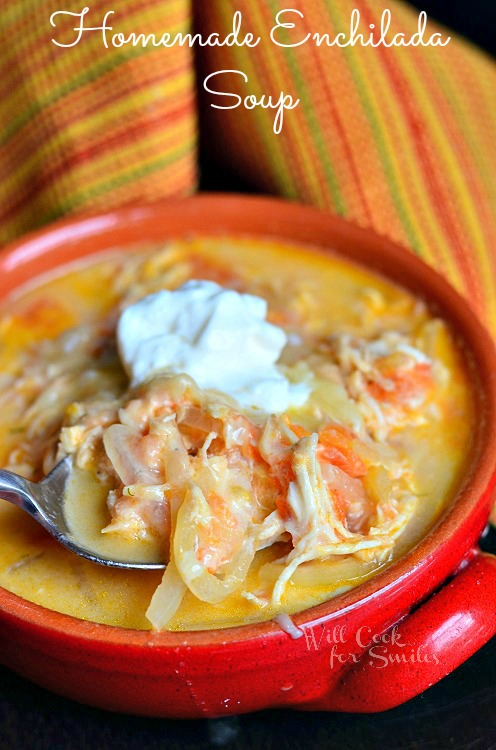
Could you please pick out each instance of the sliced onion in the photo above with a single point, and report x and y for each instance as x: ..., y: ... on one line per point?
x: 205, y: 585
x: 326, y: 573
x: 177, y: 464
x: 166, y: 599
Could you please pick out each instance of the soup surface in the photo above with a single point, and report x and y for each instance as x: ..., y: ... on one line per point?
x: 257, y: 512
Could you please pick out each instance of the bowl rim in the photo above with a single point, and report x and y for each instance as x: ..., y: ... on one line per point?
x: 284, y: 217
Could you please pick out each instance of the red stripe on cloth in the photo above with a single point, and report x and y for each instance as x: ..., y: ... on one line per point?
x: 431, y: 179
x: 132, y: 133
x: 339, y: 126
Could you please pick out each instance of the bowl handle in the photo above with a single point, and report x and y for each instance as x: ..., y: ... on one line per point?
x: 427, y: 645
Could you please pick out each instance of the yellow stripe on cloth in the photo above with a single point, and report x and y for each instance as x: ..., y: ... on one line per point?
x: 397, y: 139
x: 87, y: 128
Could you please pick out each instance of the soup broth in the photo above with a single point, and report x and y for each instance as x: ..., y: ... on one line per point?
x: 324, y: 304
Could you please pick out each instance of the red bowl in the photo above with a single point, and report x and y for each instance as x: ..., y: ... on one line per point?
x: 351, y: 657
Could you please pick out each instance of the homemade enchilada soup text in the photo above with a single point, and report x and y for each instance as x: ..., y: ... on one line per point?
x: 274, y: 423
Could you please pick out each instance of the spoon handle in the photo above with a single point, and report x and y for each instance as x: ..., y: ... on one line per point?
x: 19, y: 491
x: 32, y: 498
x: 44, y: 502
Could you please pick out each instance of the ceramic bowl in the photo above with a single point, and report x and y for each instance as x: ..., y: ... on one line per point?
x: 336, y: 663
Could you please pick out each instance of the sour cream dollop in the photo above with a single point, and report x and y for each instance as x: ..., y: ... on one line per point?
x: 218, y: 337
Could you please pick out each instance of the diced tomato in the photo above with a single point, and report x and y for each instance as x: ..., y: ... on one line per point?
x: 283, y: 507
x: 221, y: 539
x: 46, y: 317
x: 298, y: 430
x: 282, y: 317
x: 340, y: 505
x: 408, y: 384
x: 282, y: 475
x: 207, y: 269
x: 336, y: 448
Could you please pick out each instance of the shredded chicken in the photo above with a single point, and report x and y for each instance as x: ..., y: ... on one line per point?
x: 388, y: 377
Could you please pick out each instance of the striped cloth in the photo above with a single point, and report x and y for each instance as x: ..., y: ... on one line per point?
x: 85, y: 128
x: 400, y: 140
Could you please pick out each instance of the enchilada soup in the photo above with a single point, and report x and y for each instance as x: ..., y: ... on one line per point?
x: 273, y: 423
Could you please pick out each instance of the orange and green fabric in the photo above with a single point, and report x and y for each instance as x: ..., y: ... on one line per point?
x: 87, y: 128
x: 398, y: 140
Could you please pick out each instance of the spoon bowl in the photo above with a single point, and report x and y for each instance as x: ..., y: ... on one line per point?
x: 44, y: 501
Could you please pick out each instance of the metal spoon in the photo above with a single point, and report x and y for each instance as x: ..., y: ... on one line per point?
x: 44, y: 502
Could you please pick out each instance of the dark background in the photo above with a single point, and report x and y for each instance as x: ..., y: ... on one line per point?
x: 457, y: 714
x: 475, y: 19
